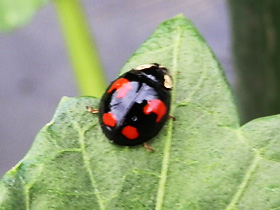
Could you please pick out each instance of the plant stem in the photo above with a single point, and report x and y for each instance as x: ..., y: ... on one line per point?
x: 82, y: 51
x: 256, y: 45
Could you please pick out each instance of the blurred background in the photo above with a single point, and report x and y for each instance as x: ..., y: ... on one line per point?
x: 36, y: 72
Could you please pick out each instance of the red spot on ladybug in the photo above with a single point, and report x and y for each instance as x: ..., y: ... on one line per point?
x: 122, y: 86
x: 156, y: 106
x: 130, y: 132
x: 109, y: 119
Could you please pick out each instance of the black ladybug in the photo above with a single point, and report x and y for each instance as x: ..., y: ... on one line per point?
x: 136, y: 105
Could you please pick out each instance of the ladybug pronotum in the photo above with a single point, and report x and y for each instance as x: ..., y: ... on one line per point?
x: 136, y: 105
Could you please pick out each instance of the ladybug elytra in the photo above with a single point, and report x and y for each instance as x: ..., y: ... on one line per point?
x: 136, y: 105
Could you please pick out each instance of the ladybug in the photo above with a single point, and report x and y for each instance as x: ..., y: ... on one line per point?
x: 136, y: 105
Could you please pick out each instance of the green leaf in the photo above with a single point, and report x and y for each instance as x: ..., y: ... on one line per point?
x: 14, y: 13
x: 203, y: 159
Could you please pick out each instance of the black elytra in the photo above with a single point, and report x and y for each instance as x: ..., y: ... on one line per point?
x: 136, y: 105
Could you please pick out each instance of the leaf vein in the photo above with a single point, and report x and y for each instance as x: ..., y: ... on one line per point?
x: 86, y: 161
x: 196, y: 87
x: 167, y: 146
x: 27, y: 198
x: 248, y: 175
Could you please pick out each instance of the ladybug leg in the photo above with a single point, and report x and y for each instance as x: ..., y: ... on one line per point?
x: 92, y: 110
x: 147, y: 146
x: 171, y: 117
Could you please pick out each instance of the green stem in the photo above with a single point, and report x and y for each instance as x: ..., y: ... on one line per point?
x: 83, y: 52
x: 256, y: 45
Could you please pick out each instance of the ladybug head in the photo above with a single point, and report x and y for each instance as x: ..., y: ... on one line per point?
x: 157, y: 73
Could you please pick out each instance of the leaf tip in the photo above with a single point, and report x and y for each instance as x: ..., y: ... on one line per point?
x: 180, y: 16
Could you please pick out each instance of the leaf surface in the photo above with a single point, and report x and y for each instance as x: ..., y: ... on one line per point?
x: 14, y: 13
x: 203, y: 159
